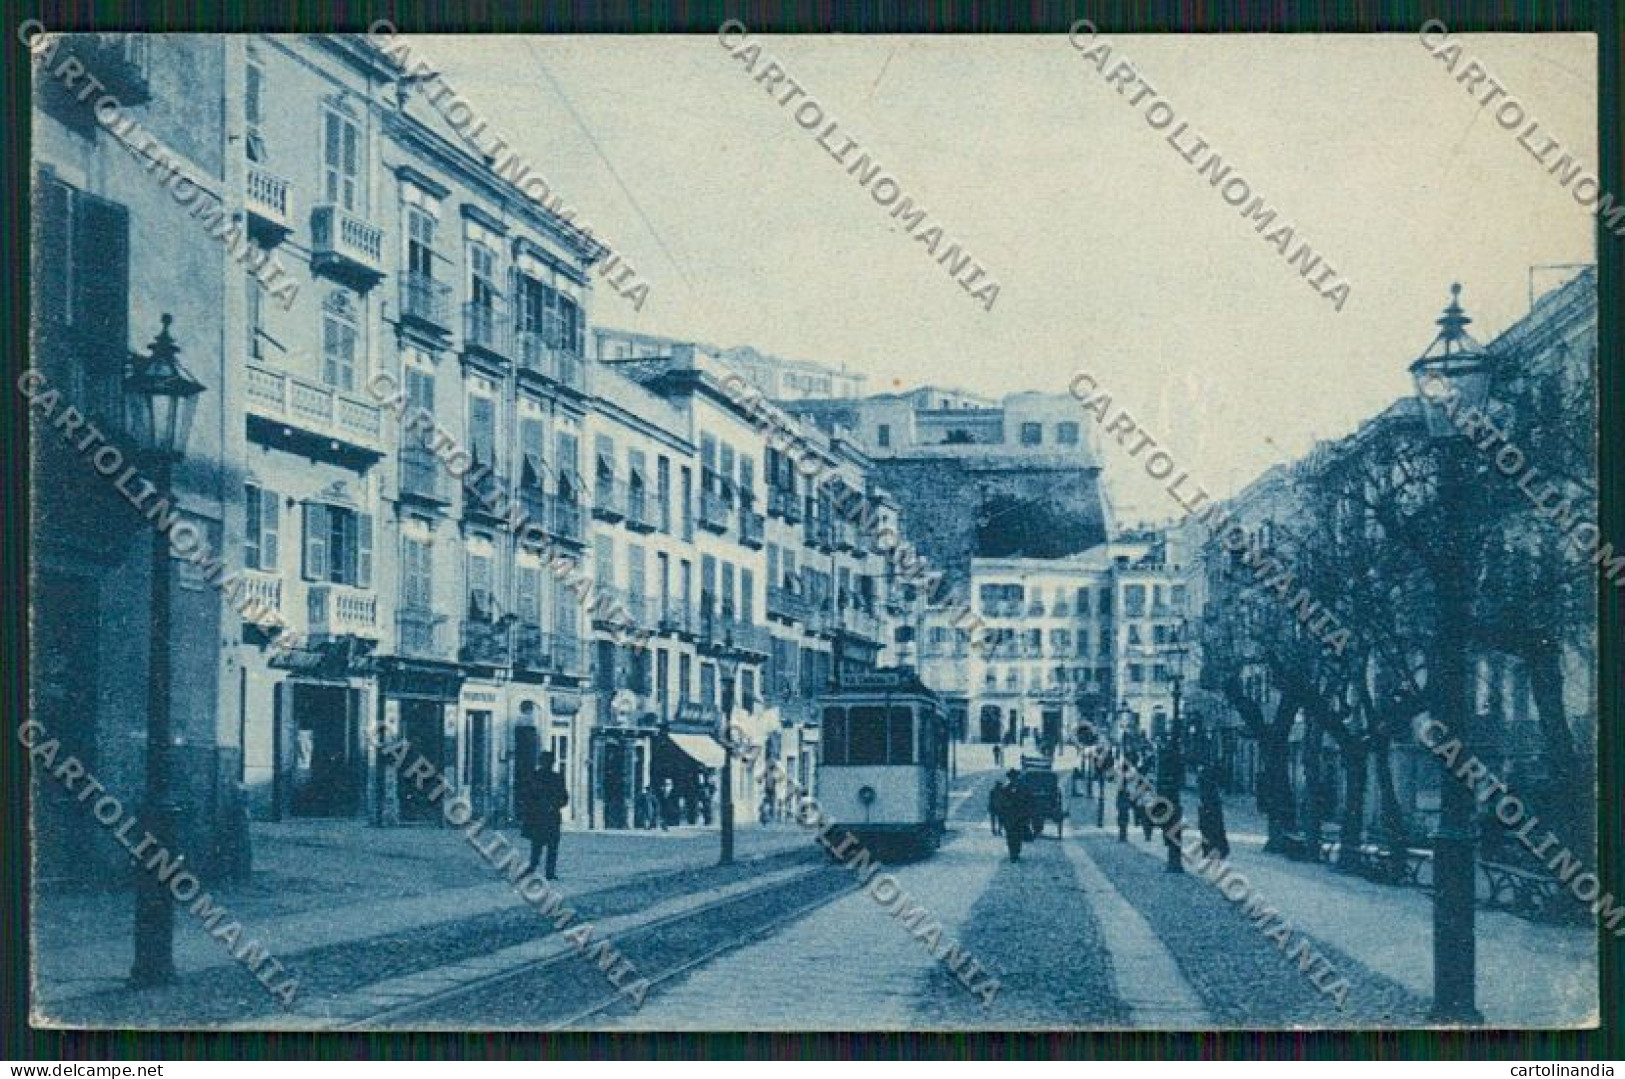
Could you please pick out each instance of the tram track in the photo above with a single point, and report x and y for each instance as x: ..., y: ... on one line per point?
x: 529, y: 994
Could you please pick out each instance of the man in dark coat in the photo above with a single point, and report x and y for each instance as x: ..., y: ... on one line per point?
x: 1210, y: 814
x: 1015, y: 813
x: 542, y: 801
x: 1125, y: 808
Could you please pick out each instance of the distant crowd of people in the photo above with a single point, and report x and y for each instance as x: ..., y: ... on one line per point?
x: 667, y: 806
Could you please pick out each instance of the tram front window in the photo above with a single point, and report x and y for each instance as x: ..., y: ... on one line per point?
x: 834, y: 736
x: 900, y: 736
x: 866, y: 736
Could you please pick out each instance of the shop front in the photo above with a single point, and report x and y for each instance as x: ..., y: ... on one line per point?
x: 419, y: 704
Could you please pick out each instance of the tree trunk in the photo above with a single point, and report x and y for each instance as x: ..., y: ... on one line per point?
x: 1393, y: 828
x: 1309, y: 800
x: 1546, y: 682
x: 1275, y: 785
x: 1356, y: 773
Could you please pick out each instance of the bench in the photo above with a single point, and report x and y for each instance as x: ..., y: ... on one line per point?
x: 1522, y: 892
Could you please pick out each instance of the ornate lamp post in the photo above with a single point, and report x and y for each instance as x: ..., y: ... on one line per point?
x: 728, y: 668
x: 1173, y: 771
x: 160, y: 399
x: 1453, y: 375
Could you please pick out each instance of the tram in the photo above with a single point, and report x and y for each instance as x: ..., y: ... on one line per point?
x: 883, y: 768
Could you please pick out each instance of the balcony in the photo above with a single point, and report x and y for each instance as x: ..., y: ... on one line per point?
x: 344, y: 245
x: 784, y: 504
x: 262, y: 595
x: 269, y: 202
x: 423, y: 477
x: 676, y: 619
x: 340, y: 610
x: 785, y: 604
x: 860, y: 623
x: 559, y: 365
x: 487, y: 330
x: 545, y: 653
x: 608, y: 499
x: 485, y: 643
x: 819, y: 534
x: 721, y: 632
x: 557, y: 517
x: 750, y: 527
x: 485, y: 493
x: 426, y: 303
x: 418, y: 634
x: 317, y: 410
x: 714, y: 512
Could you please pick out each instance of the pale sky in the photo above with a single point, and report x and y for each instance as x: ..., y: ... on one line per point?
x: 1112, y: 254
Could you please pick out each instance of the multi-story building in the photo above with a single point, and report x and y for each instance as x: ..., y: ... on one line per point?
x: 975, y: 478
x: 645, y: 575
x: 1088, y: 638
x: 776, y: 377
x: 122, y: 244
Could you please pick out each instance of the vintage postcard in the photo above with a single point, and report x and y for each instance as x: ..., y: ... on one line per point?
x: 741, y: 531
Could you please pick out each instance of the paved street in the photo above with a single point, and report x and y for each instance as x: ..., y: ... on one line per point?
x: 1083, y: 932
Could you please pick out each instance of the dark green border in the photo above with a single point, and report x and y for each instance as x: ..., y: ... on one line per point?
x: 18, y: 1041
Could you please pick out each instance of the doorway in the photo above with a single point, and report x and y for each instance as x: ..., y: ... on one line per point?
x: 421, y: 727
x: 326, y: 779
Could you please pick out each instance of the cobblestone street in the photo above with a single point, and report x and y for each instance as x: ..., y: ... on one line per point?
x: 1083, y: 932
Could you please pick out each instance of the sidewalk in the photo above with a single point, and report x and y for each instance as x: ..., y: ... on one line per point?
x: 324, y: 882
x: 1529, y: 975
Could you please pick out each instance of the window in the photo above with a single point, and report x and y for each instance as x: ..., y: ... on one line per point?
x: 420, y: 226
x: 866, y: 735
x: 1066, y: 434
x: 254, y: 110
x: 900, y: 736
x: 663, y: 493
x: 1136, y: 672
x: 260, y: 534
x: 1134, y: 600
x: 1032, y: 434
x: 481, y: 579
x: 883, y: 434
x: 834, y: 736
x: 341, y: 160
x: 416, y: 573
x: 482, y: 429
x: 532, y: 443
x: 339, y: 335
x: 603, y: 551
x: 528, y: 593
x: 337, y: 545
x: 484, y: 292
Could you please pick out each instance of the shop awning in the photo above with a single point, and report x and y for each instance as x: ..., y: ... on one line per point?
x: 705, y: 750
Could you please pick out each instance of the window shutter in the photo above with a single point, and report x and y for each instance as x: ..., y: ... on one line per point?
x: 363, y: 550
x: 252, y: 558
x: 101, y: 300
x: 316, y: 532
x: 528, y: 596
x: 270, y: 522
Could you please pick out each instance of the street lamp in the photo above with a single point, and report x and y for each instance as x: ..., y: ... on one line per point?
x: 1173, y: 772
x: 728, y: 668
x: 1452, y: 375
x: 160, y: 399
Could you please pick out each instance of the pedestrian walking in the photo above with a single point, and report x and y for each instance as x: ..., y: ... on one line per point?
x: 1016, y: 815
x: 705, y: 800
x: 1125, y: 807
x: 1210, y: 814
x: 998, y: 755
x: 648, y: 808
x: 668, y: 804
x: 995, y: 807
x: 542, y: 802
